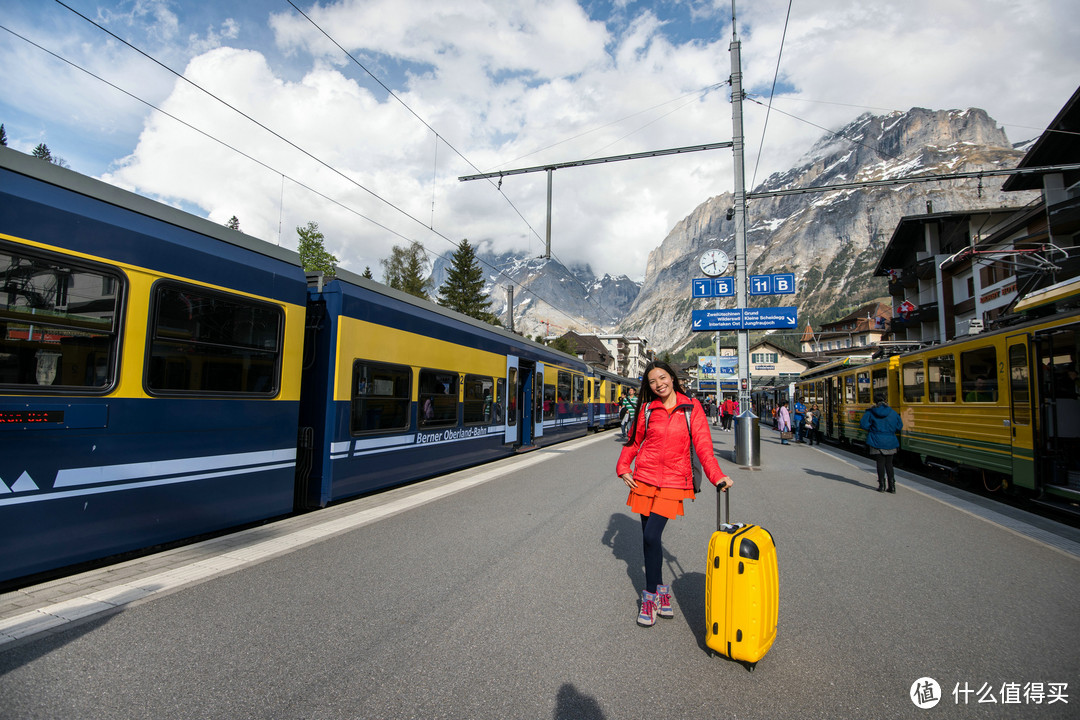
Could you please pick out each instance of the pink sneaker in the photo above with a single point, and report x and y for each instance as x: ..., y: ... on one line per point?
x: 647, y: 616
x: 664, y: 593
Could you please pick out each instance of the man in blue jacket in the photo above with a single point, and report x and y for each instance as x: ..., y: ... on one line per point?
x: 882, y: 424
x: 798, y: 412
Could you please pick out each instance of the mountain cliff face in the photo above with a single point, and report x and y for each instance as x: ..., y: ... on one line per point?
x: 830, y: 241
x: 548, y: 296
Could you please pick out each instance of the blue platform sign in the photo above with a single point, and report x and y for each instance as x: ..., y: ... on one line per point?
x: 714, y: 287
x: 703, y: 320
x: 745, y: 319
x: 784, y: 284
x: 770, y: 318
x: 779, y: 284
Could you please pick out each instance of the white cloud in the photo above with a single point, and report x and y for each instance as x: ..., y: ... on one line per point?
x: 511, y: 84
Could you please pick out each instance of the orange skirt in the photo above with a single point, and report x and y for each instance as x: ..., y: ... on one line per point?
x: 667, y: 502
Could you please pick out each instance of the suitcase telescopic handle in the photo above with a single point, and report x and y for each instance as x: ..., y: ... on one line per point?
x: 727, y: 507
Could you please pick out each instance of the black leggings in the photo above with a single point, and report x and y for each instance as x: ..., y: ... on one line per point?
x: 652, y: 527
x: 884, y: 468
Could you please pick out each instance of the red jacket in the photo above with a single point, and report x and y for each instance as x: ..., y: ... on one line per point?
x: 661, y: 456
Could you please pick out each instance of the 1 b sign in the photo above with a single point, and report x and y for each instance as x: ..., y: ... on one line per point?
x: 779, y: 284
x: 714, y: 287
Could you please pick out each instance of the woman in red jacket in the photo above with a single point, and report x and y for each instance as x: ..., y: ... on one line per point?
x: 655, y: 465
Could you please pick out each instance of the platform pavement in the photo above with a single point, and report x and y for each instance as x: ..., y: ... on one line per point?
x: 56, y: 605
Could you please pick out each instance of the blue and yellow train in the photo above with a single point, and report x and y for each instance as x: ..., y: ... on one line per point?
x: 1003, y: 404
x: 164, y: 377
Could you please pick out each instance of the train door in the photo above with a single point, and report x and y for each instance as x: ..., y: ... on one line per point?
x: 538, y: 402
x: 511, y: 401
x: 832, y: 392
x: 1023, y: 459
x: 1057, y: 442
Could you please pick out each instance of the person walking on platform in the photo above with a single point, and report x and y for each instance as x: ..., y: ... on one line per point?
x: 655, y: 464
x: 881, y: 424
x: 628, y: 407
x: 783, y: 421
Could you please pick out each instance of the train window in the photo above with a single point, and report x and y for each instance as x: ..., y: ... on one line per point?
x: 59, y: 323
x: 579, y: 389
x: 978, y: 375
x: 479, y: 400
x: 1018, y: 385
x: 380, y: 397
x: 864, y: 388
x: 563, y: 387
x: 914, y: 382
x: 550, y: 401
x: 538, y: 403
x: 511, y: 397
x: 500, y: 400
x: 438, y: 398
x: 879, y: 382
x: 205, y: 342
x: 941, y: 371
x: 849, y: 389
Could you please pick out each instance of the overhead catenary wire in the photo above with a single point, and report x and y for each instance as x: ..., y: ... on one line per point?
x: 280, y: 137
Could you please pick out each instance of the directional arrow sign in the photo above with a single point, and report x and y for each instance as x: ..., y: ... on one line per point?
x: 716, y: 320
x: 770, y: 318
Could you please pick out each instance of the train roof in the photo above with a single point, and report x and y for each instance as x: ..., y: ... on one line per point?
x: 849, y: 361
x: 47, y: 172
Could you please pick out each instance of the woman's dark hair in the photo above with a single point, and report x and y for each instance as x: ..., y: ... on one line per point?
x: 646, y: 395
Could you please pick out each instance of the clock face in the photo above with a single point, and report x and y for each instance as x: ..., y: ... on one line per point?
x: 714, y: 262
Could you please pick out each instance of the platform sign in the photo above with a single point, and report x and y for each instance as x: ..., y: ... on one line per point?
x: 724, y: 287
x: 784, y: 284
x: 713, y: 287
x: 745, y: 319
x: 703, y: 320
x: 778, y: 284
x: 770, y: 318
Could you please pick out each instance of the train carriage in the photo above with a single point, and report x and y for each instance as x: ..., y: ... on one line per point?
x: 1002, y: 403
x: 397, y: 388
x: 605, y: 390
x: 149, y: 371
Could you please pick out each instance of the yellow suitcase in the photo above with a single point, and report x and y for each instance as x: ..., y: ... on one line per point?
x: 742, y: 584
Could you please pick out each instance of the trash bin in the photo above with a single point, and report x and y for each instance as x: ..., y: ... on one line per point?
x: 747, y: 440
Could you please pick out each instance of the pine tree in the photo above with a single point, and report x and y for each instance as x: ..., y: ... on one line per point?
x: 41, y: 152
x: 313, y: 254
x: 405, y: 268
x: 463, y: 290
x: 3, y: 135
x: 367, y: 273
x: 234, y: 223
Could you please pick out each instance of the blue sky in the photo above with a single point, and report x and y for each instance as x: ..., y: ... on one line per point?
x: 494, y: 84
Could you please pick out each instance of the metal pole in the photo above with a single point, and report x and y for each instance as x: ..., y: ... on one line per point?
x: 740, y: 211
x: 547, y: 245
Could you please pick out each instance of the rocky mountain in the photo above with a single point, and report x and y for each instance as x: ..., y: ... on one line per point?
x: 830, y: 241
x: 548, y: 296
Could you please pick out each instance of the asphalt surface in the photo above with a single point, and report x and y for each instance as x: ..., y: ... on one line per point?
x: 511, y: 591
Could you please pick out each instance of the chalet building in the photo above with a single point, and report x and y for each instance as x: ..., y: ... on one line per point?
x: 952, y: 274
x: 857, y: 331
x: 619, y: 354
x: 769, y: 365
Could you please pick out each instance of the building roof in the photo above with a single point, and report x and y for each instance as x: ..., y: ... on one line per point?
x: 1060, y: 143
x: 898, y: 252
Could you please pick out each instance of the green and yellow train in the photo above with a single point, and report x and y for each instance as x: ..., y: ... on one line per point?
x: 1005, y: 403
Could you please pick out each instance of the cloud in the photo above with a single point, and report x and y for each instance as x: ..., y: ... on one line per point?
x: 498, y: 85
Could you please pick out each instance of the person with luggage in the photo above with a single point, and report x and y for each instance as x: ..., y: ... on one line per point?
x: 627, y: 408
x: 783, y: 422
x: 655, y: 464
x: 808, y: 427
x: 881, y: 424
